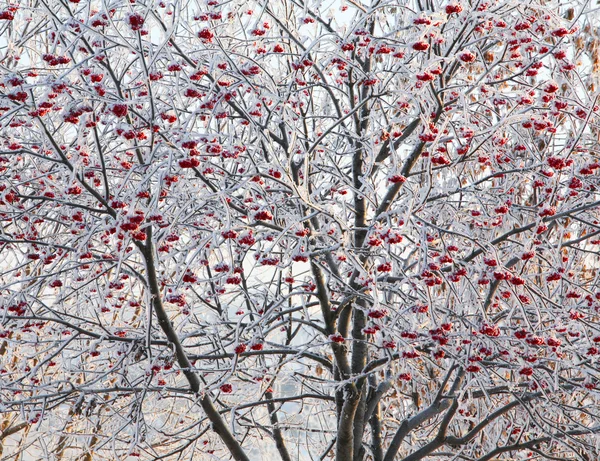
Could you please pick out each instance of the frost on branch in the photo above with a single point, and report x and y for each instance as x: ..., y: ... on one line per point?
x: 351, y: 231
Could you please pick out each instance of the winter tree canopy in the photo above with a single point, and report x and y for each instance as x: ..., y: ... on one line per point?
x: 362, y: 230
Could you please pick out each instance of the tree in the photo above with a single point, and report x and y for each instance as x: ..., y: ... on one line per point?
x: 245, y: 229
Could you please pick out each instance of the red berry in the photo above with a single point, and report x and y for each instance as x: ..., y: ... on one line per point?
x: 226, y: 388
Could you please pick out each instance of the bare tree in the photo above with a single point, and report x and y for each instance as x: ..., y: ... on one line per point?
x: 299, y: 230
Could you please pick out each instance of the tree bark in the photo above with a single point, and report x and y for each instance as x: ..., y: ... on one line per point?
x: 345, y: 440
